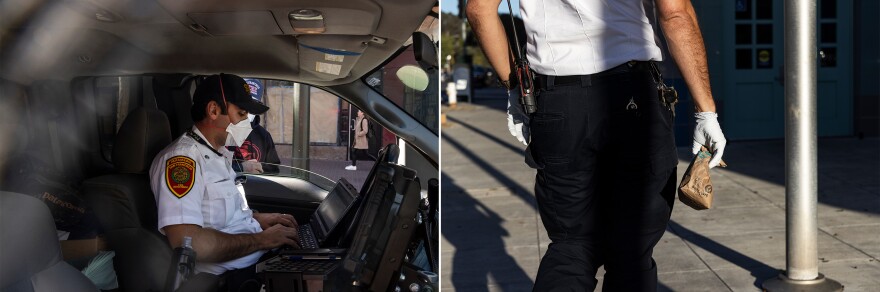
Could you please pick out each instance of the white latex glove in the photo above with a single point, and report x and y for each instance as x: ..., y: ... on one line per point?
x: 517, y: 120
x: 708, y: 133
x: 516, y: 129
x: 252, y: 166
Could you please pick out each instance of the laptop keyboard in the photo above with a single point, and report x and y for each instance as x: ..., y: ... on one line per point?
x: 288, y: 265
x: 307, y: 237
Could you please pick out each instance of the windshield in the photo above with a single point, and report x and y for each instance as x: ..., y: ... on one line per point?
x: 310, y: 134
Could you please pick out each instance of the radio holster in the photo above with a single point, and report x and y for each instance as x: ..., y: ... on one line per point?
x: 523, y: 73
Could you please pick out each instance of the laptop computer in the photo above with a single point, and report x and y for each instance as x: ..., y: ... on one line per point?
x: 326, y: 218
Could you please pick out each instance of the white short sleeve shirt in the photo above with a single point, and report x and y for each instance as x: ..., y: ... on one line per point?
x: 579, y: 37
x: 193, y: 185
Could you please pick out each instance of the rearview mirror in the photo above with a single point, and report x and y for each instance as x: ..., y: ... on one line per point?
x: 424, y: 49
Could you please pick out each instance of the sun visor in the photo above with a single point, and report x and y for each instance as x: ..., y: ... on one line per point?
x: 330, y: 57
x: 237, y: 23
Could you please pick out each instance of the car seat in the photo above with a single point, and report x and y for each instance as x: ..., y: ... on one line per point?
x: 125, y: 205
x: 30, y: 259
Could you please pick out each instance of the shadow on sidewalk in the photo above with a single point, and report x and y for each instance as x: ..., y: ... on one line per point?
x: 476, y: 230
x: 480, y: 253
x: 496, y: 174
x: 489, y: 136
x: 759, y: 270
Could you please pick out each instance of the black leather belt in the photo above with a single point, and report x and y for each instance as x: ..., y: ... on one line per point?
x: 544, y: 81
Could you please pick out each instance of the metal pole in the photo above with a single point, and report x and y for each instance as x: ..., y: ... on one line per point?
x: 802, y: 258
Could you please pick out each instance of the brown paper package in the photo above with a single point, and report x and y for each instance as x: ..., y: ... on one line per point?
x: 695, y: 189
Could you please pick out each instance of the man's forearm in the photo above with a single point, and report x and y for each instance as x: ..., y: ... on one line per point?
x: 679, y: 23
x: 212, y: 245
x: 486, y: 24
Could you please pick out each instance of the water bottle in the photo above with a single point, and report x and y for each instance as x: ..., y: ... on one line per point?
x: 182, y: 265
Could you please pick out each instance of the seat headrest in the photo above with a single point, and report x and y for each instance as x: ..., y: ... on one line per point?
x: 28, y: 237
x: 144, y: 133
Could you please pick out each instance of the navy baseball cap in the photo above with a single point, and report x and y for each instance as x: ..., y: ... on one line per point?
x: 228, y: 88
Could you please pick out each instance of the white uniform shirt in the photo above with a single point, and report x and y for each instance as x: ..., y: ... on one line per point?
x: 579, y: 37
x: 193, y: 185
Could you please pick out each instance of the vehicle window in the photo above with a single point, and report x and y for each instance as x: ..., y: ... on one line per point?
x: 315, y: 135
x: 114, y: 99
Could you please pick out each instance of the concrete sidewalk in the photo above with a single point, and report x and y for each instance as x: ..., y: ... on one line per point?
x: 493, y: 238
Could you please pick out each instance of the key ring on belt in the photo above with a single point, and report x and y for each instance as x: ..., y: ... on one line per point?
x: 668, y: 95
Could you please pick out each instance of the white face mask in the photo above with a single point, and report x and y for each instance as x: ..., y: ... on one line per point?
x: 237, y: 133
x: 251, y: 117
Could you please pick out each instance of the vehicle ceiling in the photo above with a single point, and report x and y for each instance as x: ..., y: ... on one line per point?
x: 62, y: 39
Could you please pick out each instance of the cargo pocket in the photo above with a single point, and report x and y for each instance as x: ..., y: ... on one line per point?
x: 550, y: 122
x: 549, y: 147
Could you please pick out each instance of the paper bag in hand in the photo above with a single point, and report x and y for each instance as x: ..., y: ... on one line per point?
x: 695, y: 189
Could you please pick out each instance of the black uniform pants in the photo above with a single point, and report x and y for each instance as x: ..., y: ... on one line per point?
x: 605, y: 154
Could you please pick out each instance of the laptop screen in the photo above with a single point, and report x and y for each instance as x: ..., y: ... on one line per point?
x: 332, y: 209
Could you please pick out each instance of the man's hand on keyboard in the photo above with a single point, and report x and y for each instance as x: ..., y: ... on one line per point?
x: 270, y: 219
x: 279, y: 235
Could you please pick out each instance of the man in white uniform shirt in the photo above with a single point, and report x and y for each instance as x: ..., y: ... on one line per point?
x: 196, y: 192
x: 601, y: 138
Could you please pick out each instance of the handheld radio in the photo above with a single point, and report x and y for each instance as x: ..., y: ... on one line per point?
x: 522, y: 71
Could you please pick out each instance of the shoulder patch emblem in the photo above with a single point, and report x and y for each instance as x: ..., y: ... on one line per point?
x: 180, y: 175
